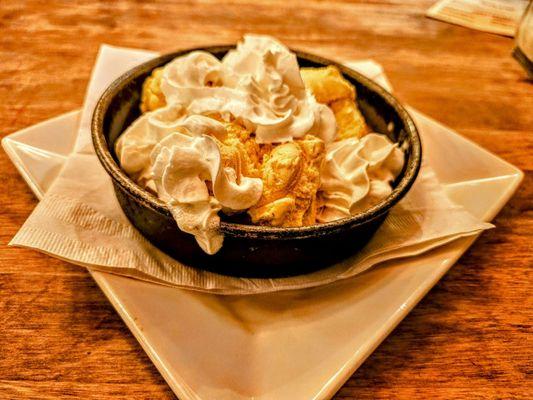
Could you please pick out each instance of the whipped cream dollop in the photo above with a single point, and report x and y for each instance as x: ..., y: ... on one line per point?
x: 259, y: 82
x: 178, y: 157
x: 357, y: 174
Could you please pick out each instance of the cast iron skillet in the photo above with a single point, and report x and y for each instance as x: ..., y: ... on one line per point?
x: 248, y: 250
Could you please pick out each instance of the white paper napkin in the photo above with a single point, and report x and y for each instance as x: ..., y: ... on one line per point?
x: 80, y: 220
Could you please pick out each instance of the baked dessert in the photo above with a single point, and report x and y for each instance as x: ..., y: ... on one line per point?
x: 255, y: 135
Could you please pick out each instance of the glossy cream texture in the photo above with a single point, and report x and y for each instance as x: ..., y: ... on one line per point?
x: 357, y: 174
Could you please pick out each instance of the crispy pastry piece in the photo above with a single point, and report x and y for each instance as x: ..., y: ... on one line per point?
x: 327, y: 84
x: 350, y: 121
x: 291, y: 177
x: 152, y: 98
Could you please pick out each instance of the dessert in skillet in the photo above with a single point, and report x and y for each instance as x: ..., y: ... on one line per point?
x: 253, y: 133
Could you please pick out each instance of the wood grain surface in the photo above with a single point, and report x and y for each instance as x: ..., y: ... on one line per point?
x: 471, y: 337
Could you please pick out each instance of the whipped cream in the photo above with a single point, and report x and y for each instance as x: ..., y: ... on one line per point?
x: 357, y: 174
x: 259, y: 82
x: 177, y: 156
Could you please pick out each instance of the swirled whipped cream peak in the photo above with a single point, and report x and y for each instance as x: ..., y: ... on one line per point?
x: 259, y: 82
x: 253, y: 133
x: 357, y: 174
x: 182, y: 159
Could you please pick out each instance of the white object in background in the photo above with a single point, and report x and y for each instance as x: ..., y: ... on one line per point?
x: 494, y: 16
x: 523, y: 52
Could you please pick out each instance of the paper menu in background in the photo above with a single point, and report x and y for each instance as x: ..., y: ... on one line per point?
x: 494, y: 16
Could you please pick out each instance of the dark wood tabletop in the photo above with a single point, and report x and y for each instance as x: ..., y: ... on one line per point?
x: 471, y: 335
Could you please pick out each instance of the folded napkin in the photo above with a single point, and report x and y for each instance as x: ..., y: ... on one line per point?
x: 80, y: 220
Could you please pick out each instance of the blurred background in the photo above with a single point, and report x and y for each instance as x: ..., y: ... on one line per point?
x: 424, y: 58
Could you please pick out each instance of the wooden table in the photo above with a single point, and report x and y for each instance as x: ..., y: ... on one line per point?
x: 468, y: 338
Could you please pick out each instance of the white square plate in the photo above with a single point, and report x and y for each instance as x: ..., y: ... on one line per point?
x: 290, y: 345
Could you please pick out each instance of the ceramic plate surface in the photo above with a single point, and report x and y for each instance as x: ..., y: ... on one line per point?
x: 289, y: 345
